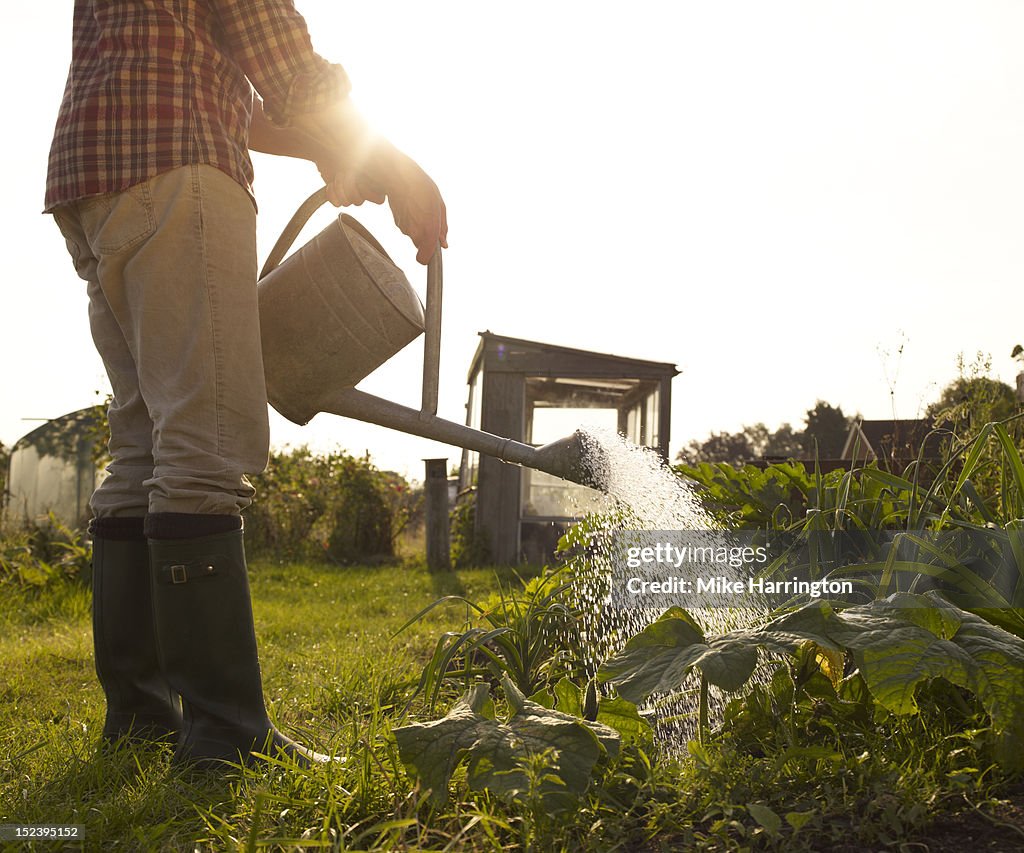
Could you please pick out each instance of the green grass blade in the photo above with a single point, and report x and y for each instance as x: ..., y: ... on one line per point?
x: 971, y: 463
x: 434, y: 604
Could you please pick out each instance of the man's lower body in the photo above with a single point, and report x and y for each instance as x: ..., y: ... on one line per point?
x: 170, y: 266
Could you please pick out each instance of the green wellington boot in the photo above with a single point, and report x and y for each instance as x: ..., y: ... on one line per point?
x: 207, y: 647
x: 140, y: 702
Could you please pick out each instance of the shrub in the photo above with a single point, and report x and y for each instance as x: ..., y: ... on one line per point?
x: 42, y: 554
x: 468, y: 545
x: 336, y: 506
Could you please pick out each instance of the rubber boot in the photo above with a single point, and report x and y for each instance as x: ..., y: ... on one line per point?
x: 207, y: 647
x: 140, y: 702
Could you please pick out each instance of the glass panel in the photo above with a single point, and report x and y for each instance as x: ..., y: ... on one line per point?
x: 475, y: 400
x: 547, y: 496
x: 653, y: 422
x: 551, y: 424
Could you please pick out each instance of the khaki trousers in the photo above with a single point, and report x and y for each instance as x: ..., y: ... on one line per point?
x: 170, y: 266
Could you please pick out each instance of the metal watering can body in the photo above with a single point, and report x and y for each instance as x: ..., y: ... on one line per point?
x: 331, y: 313
x: 337, y: 309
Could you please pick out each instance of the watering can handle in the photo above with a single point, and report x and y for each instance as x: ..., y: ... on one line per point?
x: 295, y: 225
x: 432, y: 335
x: 432, y: 310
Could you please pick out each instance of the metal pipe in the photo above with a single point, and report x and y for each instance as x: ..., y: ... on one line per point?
x: 568, y: 458
x: 432, y: 336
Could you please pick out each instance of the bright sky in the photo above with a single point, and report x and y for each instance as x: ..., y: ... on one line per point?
x: 788, y: 200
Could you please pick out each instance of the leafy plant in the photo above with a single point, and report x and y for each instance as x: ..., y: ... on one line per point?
x: 776, y: 497
x: 897, y: 644
x: 468, y: 545
x: 332, y: 506
x: 531, y: 635
x: 501, y: 755
x: 965, y: 538
x: 41, y: 554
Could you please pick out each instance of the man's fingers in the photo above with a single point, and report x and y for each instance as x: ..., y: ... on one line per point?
x: 443, y: 230
x: 429, y: 234
x: 426, y: 253
x: 348, y: 189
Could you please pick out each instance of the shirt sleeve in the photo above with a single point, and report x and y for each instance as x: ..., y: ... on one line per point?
x: 270, y: 42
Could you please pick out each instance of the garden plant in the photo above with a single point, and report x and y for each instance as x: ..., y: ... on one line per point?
x: 471, y: 717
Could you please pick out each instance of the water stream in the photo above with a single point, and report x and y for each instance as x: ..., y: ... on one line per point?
x: 647, y: 499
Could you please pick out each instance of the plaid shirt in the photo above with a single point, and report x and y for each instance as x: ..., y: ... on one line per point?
x: 159, y: 84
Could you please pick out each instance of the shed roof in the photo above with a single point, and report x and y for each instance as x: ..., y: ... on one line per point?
x: 518, y: 355
x: 901, y: 440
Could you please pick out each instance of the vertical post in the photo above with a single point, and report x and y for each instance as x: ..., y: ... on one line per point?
x: 432, y: 335
x: 664, y: 416
x: 435, y: 489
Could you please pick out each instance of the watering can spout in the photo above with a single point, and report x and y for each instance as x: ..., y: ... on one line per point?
x: 574, y: 458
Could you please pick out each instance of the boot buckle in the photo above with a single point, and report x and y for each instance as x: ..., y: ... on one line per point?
x: 179, y: 574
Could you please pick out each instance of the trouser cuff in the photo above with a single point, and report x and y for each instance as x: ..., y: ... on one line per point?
x: 117, y: 528
x: 184, y: 525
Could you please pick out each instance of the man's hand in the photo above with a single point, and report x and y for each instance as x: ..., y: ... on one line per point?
x: 358, y: 166
x: 415, y: 201
x: 380, y: 170
x: 347, y: 186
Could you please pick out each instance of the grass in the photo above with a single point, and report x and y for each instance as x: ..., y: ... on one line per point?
x: 336, y: 679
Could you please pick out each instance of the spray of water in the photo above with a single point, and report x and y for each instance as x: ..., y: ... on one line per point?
x: 647, y: 499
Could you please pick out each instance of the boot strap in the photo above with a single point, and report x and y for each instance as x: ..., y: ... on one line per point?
x: 177, y: 573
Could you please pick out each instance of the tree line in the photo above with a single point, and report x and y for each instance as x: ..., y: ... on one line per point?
x: 964, y: 406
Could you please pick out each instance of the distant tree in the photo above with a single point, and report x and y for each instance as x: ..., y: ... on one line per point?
x: 733, y: 448
x: 968, y: 403
x: 756, y: 441
x: 784, y: 442
x: 758, y: 436
x: 825, y: 431
x: 974, y: 399
x: 753, y: 441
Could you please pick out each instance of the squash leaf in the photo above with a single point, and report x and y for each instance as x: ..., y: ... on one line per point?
x: 898, y: 644
x: 497, y: 754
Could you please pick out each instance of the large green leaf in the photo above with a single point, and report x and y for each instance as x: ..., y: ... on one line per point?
x: 658, y: 659
x: 898, y: 644
x: 623, y: 716
x: 434, y: 749
x: 612, y: 711
x: 498, y: 754
x: 997, y: 679
x: 568, y: 698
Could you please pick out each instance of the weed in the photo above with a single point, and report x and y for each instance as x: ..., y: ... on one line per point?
x: 39, y: 555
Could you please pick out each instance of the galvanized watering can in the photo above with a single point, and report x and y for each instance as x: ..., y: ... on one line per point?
x: 338, y: 308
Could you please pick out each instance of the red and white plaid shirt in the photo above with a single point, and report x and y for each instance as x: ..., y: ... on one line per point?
x: 159, y: 84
